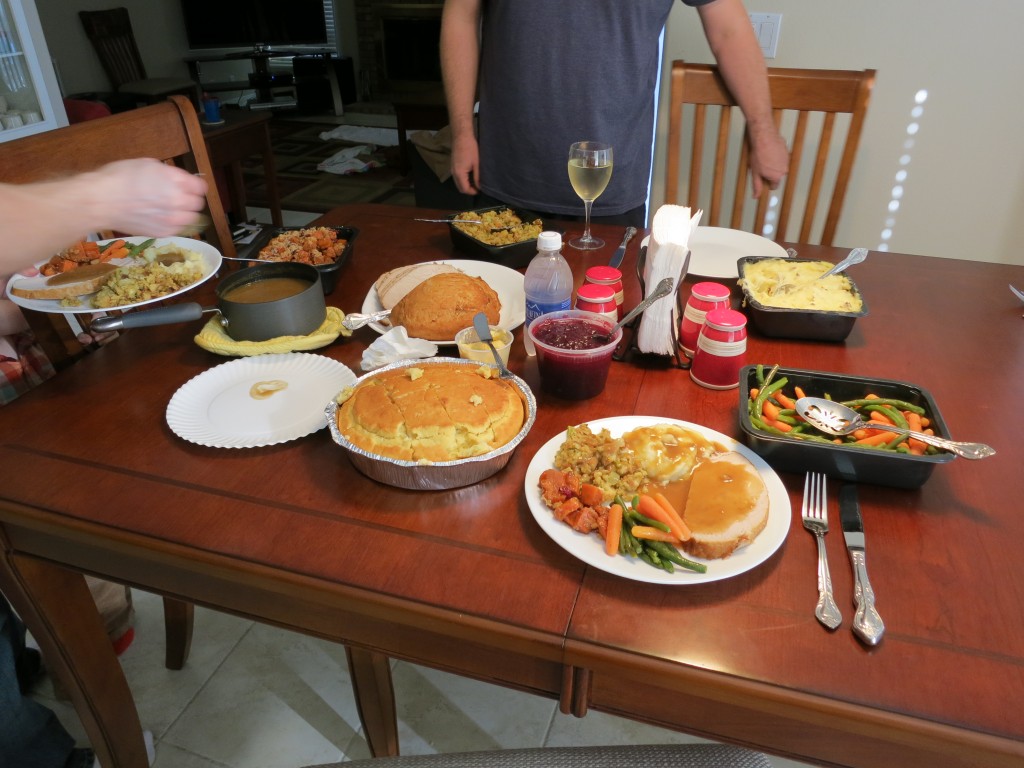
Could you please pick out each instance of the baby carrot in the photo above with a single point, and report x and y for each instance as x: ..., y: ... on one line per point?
x: 799, y: 392
x: 914, y: 422
x: 785, y: 401
x: 679, y: 527
x: 770, y: 410
x: 649, y: 507
x: 613, y: 529
x: 878, y: 439
x: 648, y: 533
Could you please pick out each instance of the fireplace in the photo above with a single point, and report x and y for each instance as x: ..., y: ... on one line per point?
x: 398, y: 47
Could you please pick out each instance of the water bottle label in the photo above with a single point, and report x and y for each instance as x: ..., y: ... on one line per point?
x: 535, y: 309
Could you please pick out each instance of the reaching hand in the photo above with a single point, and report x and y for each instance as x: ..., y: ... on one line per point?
x: 769, y: 160
x: 466, y: 165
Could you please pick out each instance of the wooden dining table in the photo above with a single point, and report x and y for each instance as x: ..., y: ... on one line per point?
x: 93, y: 481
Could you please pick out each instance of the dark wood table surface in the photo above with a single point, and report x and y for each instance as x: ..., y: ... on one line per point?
x: 92, y: 480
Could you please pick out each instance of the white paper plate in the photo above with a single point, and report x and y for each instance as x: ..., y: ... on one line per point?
x: 211, y: 263
x: 590, y: 548
x: 216, y: 409
x: 714, y: 251
x: 507, y: 283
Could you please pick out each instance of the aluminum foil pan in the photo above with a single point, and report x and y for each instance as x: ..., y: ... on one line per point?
x: 440, y: 475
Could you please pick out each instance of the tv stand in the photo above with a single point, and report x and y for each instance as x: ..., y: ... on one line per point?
x: 261, y: 79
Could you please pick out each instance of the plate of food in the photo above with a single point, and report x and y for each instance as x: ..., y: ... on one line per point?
x: 715, y: 251
x: 735, y: 505
x: 257, y: 401
x: 436, y: 300
x: 121, y: 274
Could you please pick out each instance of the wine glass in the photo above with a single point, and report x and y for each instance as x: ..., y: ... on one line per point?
x: 590, y: 170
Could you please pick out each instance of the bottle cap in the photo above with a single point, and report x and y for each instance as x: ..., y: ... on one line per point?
x: 549, y: 241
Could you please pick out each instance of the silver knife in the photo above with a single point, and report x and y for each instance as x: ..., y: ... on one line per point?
x: 620, y: 252
x: 867, y: 624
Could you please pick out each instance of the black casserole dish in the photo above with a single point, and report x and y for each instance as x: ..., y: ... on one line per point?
x: 813, y: 324
x: 851, y: 463
x: 512, y: 255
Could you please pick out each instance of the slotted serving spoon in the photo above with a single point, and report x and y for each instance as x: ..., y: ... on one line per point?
x: 837, y: 419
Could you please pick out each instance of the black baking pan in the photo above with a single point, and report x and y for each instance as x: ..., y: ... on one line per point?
x: 854, y: 464
x: 328, y: 272
x: 513, y: 255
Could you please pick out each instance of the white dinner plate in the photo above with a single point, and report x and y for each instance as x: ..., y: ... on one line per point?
x: 714, y: 251
x: 590, y: 547
x: 216, y: 408
x: 211, y: 263
x: 507, y: 283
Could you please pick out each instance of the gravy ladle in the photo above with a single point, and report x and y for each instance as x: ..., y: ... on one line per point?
x: 838, y: 419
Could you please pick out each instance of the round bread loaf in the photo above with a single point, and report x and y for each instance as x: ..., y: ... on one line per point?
x: 440, y: 412
x: 441, y: 306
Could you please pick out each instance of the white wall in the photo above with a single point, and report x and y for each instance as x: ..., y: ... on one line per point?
x: 964, y: 194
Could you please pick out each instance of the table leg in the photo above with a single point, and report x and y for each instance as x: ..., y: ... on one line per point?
x: 375, y: 699
x: 58, y: 609
x: 179, y: 617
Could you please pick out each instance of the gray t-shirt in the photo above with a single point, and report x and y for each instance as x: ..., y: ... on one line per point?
x: 552, y: 73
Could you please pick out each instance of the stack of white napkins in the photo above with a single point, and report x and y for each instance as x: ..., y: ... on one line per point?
x: 668, y: 255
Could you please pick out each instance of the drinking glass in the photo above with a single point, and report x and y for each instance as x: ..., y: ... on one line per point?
x: 590, y: 170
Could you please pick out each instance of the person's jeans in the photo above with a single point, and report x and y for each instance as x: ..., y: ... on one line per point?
x: 31, y: 736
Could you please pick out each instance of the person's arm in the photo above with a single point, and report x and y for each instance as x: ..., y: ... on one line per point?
x: 460, y: 60
x: 735, y: 47
x: 138, y: 197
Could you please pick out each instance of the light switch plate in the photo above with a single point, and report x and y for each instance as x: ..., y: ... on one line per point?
x: 766, y: 27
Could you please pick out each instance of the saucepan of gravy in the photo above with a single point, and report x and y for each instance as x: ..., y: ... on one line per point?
x: 255, y: 304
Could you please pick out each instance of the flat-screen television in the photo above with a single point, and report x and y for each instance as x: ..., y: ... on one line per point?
x: 253, y: 23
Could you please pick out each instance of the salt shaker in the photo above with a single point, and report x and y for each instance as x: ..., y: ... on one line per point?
x: 721, y: 350
x: 599, y: 299
x: 610, y: 276
x: 704, y: 298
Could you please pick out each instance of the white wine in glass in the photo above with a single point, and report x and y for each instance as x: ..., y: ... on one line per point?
x: 590, y: 170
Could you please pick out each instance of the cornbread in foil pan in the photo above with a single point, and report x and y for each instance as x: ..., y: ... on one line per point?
x: 421, y: 411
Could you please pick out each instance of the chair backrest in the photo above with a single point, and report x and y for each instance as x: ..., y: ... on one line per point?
x: 167, y: 131
x: 805, y: 104
x: 110, y: 33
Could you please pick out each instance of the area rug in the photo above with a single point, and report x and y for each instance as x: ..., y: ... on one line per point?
x: 298, y: 149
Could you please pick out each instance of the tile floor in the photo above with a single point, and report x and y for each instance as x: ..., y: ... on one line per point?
x: 254, y: 696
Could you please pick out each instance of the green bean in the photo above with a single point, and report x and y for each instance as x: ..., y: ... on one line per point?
x: 657, y: 560
x: 901, y: 405
x: 135, y: 250
x: 635, y: 518
x: 668, y: 552
x: 893, y: 415
x: 766, y: 391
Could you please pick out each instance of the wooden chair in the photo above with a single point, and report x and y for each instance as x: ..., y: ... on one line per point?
x: 805, y: 105
x: 168, y: 131
x: 110, y: 32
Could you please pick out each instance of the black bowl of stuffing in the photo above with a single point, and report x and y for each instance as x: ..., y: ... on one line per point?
x: 507, y: 236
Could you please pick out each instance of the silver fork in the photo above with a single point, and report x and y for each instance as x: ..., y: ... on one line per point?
x: 815, y: 517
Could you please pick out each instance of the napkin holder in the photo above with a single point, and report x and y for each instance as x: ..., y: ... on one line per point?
x: 628, y: 351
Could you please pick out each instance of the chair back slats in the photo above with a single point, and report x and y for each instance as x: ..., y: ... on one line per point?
x: 806, y: 106
x: 110, y: 32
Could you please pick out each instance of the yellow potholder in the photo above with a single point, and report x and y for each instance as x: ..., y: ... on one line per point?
x: 214, y: 338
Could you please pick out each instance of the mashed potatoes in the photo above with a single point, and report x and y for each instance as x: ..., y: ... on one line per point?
x: 668, y: 452
x: 794, y: 284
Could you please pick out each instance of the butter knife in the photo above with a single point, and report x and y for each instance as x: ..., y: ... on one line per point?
x: 620, y: 252
x: 867, y: 623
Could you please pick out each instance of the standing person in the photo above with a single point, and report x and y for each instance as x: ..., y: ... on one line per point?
x: 140, y: 196
x: 548, y: 74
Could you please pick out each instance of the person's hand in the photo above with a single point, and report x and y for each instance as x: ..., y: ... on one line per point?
x: 466, y: 165
x: 146, y: 197
x: 769, y: 160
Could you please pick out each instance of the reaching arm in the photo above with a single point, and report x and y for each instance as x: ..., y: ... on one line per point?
x: 732, y: 40
x: 140, y: 197
x: 460, y: 60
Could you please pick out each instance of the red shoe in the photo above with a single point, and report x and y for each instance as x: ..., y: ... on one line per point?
x: 121, y: 644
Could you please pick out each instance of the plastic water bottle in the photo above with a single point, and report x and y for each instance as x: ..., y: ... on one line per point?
x: 548, y: 282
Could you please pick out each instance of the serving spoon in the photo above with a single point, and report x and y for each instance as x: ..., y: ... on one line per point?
x: 838, y: 419
x: 483, y: 332
x: 857, y: 255
x: 663, y: 289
